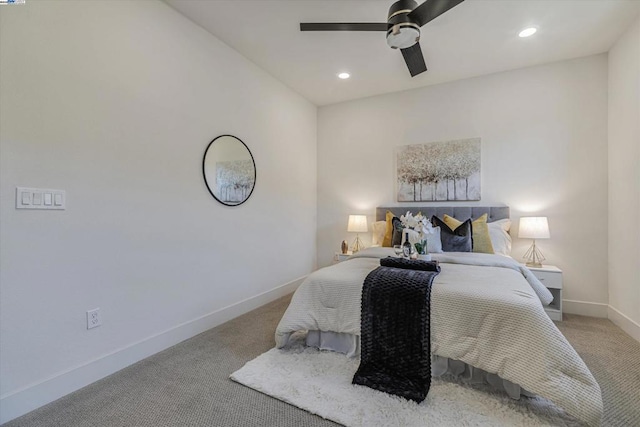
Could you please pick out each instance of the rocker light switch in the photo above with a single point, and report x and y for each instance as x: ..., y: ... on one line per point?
x: 26, y: 198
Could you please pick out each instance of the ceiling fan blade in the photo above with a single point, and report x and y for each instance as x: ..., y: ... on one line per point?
x: 414, y: 59
x: 337, y: 26
x: 430, y: 10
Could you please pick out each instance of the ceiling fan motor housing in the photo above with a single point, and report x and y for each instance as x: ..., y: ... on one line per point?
x: 402, y: 32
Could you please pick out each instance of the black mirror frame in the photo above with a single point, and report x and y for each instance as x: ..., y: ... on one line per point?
x: 255, y: 171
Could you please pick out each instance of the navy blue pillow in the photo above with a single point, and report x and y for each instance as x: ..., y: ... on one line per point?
x: 458, y: 240
x: 396, y: 237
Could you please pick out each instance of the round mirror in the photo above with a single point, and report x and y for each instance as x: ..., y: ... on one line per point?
x: 229, y: 170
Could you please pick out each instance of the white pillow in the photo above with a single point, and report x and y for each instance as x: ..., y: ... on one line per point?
x: 434, y: 244
x: 499, y: 235
x: 379, y: 229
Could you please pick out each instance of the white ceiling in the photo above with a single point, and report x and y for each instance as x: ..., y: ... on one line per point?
x: 476, y: 37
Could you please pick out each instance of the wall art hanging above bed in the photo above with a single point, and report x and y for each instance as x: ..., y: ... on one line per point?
x: 443, y: 170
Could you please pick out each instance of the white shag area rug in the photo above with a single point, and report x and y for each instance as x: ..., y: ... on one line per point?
x: 320, y: 382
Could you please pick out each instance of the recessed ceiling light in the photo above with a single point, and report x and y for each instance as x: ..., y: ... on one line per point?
x: 344, y: 76
x: 528, y: 32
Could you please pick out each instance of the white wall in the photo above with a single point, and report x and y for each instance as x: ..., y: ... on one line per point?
x: 544, y: 151
x: 624, y: 181
x: 115, y: 102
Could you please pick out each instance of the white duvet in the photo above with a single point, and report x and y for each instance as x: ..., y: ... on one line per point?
x: 486, y: 311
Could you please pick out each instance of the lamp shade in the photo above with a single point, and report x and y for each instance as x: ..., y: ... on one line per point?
x: 534, y: 227
x: 357, y: 224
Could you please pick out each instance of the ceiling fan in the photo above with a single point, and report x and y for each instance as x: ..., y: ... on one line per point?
x: 402, y: 27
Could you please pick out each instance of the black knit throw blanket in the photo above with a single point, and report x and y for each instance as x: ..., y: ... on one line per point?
x: 395, y: 335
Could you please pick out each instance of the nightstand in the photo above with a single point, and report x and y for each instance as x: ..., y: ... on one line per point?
x: 551, y: 277
x: 339, y: 256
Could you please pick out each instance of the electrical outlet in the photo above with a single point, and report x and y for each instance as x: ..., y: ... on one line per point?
x: 93, y: 318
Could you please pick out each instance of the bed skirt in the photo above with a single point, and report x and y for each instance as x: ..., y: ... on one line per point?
x: 349, y: 344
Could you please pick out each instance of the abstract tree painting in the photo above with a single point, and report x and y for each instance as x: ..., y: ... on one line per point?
x: 445, y: 170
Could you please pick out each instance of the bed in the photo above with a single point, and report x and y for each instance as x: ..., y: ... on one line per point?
x: 487, y: 320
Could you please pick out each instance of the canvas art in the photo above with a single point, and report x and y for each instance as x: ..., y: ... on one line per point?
x: 234, y: 180
x: 435, y: 171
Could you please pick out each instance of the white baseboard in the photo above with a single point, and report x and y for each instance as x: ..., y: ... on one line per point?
x: 584, y: 308
x: 17, y: 403
x: 624, y: 323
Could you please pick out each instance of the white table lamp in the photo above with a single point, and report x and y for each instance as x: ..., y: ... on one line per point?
x: 357, y: 224
x: 534, y: 227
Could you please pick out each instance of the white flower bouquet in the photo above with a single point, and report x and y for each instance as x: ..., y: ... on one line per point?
x: 418, y: 227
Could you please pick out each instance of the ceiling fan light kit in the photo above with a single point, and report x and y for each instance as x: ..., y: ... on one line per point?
x: 403, y: 24
x: 402, y: 36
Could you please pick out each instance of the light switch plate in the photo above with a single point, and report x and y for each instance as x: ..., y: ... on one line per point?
x: 40, y: 198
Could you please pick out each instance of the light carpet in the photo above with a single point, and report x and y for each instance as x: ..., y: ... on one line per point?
x: 320, y: 382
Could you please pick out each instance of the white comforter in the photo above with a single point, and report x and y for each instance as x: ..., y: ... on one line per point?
x: 486, y: 311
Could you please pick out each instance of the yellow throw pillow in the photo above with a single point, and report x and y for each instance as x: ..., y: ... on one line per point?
x: 388, y: 234
x: 480, y: 233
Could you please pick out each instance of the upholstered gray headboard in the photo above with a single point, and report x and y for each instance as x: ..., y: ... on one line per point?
x: 461, y: 213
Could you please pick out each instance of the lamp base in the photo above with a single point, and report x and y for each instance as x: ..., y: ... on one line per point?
x: 533, y: 256
x: 357, y: 244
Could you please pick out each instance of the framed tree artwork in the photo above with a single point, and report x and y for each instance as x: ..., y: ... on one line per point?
x: 439, y: 171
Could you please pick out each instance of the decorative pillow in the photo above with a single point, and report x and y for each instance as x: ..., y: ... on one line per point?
x: 379, y: 229
x: 458, y: 240
x: 500, y: 238
x: 480, y: 233
x: 388, y: 234
x: 396, y: 238
x: 434, y: 241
